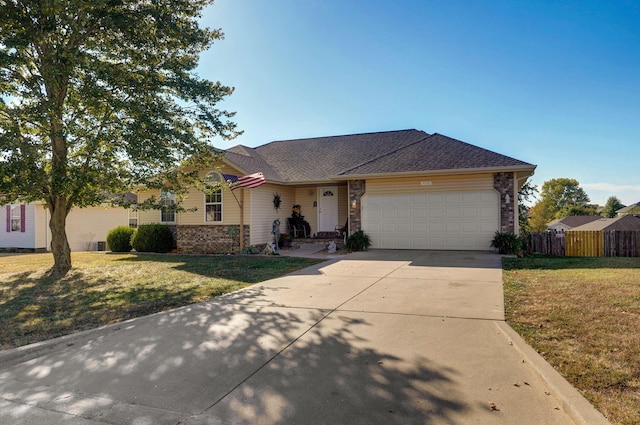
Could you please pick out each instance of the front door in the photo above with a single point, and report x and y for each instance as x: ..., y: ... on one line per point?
x: 327, y: 208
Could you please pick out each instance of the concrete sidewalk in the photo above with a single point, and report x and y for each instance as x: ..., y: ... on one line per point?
x: 383, y: 337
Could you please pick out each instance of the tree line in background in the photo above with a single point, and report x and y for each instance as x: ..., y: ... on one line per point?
x: 559, y: 198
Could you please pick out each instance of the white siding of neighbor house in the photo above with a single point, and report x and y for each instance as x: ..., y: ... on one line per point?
x: 26, y: 239
x: 41, y: 223
x: 86, y: 226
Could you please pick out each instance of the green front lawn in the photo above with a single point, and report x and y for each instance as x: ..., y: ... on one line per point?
x: 109, y: 288
x: 583, y: 315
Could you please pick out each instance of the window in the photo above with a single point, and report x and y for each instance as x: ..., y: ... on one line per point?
x: 213, y: 198
x: 133, y: 218
x: 168, y: 200
x: 16, y: 218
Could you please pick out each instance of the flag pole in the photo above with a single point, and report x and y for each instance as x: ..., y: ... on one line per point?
x: 241, y: 206
x: 241, y: 219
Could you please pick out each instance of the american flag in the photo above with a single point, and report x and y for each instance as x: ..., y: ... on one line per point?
x: 250, y: 181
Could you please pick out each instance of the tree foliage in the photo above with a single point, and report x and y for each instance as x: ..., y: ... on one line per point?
x: 612, y: 205
x: 99, y: 96
x: 526, y: 194
x: 559, y: 198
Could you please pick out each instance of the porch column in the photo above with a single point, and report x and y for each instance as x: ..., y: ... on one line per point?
x: 504, y: 184
x: 356, y: 190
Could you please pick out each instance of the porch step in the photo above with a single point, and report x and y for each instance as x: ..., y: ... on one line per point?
x: 324, y: 242
x: 327, y: 235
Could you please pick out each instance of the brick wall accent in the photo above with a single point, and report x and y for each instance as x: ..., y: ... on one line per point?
x: 504, y: 183
x: 193, y: 239
x: 356, y: 190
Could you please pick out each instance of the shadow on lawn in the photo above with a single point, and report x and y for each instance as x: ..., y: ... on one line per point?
x: 248, y: 269
x: 222, y: 363
x: 36, y: 307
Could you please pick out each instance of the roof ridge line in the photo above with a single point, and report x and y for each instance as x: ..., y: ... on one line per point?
x: 256, y: 155
x: 340, y: 135
x: 389, y: 153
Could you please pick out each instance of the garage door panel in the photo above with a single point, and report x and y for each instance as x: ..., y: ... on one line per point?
x: 449, y: 220
x: 419, y: 227
x: 419, y: 213
x: 388, y: 228
x: 436, y: 213
x: 452, y: 212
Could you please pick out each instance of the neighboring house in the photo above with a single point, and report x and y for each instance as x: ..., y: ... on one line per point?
x: 27, y: 226
x: 631, y: 209
x: 569, y: 222
x: 624, y: 223
x: 407, y: 189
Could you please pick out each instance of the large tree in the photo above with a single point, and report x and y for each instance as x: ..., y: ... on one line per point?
x: 558, y: 198
x: 97, y: 96
x: 613, y: 204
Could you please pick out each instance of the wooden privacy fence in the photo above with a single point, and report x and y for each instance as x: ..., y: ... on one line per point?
x: 621, y: 243
x: 588, y: 243
x: 584, y: 243
x: 549, y: 243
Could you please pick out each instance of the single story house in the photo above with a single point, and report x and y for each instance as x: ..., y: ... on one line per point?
x: 406, y: 189
x: 569, y: 222
x: 623, y: 223
x: 27, y: 226
x: 630, y: 209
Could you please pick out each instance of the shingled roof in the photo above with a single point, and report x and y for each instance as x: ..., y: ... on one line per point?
x: 625, y: 222
x: 572, y: 221
x: 321, y: 159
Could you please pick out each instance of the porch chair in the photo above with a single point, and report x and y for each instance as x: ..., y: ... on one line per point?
x: 294, y: 230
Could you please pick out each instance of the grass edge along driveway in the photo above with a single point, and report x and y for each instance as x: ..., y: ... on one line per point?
x: 108, y: 288
x: 582, y: 314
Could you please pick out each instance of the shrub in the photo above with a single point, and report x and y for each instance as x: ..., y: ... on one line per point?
x: 507, y: 243
x: 152, y: 238
x: 359, y: 241
x: 119, y: 239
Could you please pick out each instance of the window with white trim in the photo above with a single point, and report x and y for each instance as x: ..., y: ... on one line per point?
x: 213, y: 198
x: 167, y: 200
x: 16, y: 218
x: 133, y: 218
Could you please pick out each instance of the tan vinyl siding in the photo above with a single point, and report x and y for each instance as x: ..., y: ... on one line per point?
x: 305, y: 197
x: 263, y: 212
x: 471, y: 182
x: 148, y: 216
x: 195, y: 200
x: 230, y: 207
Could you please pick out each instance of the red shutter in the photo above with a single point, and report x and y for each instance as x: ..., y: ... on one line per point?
x: 23, y: 218
x: 8, y: 218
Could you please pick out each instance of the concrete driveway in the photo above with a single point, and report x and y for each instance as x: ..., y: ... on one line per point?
x: 382, y: 337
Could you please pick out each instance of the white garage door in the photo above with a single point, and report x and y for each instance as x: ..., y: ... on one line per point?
x: 448, y: 220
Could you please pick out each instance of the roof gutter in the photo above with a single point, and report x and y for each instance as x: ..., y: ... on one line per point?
x: 522, y: 170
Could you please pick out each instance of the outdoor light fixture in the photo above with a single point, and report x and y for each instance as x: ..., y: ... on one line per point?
x: 354, y: 203
x: 507, y: 199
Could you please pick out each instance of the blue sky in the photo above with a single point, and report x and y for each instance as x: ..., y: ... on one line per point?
x: 556, y: 84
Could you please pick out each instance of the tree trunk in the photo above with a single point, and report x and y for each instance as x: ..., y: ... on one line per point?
x: 59, y: 243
